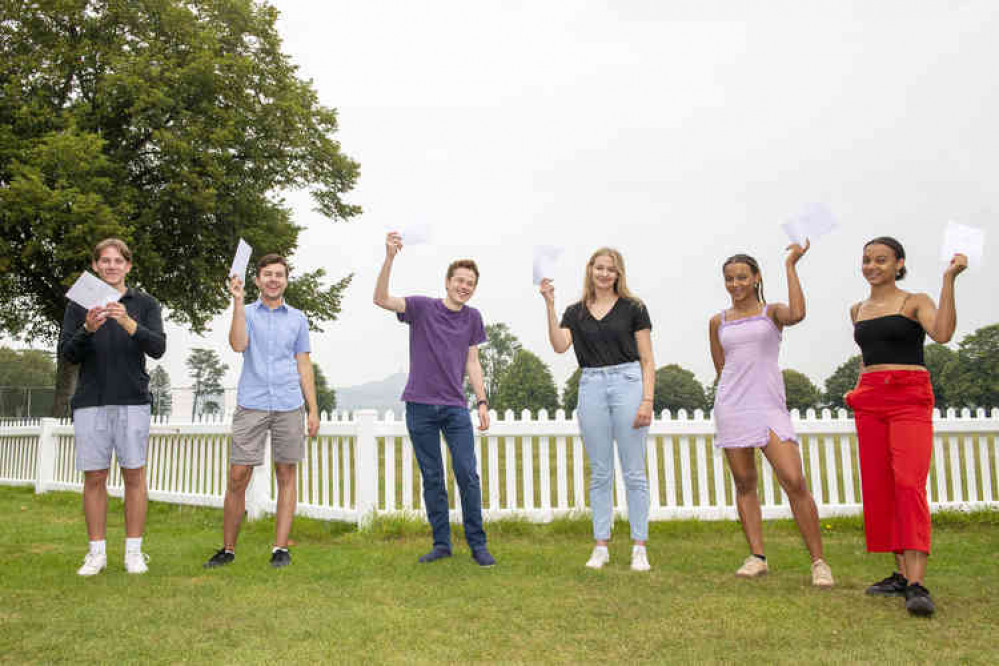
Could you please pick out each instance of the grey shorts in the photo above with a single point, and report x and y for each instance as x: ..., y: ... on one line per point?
x: 123, y: 429
x: 249, y: 436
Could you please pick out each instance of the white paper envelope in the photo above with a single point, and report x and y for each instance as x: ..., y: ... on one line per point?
x: 90, y: 291
x: 813, y: 221
x: 960, y: 238
x: 414, y: 232
x: 545, y: 259
x: 241, y: 260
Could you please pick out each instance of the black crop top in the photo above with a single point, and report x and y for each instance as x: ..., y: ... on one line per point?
x: 893, y: 339
x: 608, y: 341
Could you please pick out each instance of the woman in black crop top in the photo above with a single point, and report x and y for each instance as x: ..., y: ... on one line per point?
x: 610, y: 330
x: 893, y: 410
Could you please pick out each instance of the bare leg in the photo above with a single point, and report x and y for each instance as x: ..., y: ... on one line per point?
x: 742, y: 462
x: 287, y: 485
x: 914, y: 566
x: 136, y: 501
x: 786, y: 461
x: 235, y: 503
x: 95, y: 503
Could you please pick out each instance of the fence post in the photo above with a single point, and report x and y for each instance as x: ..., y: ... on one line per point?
x: 258, y: 493
x: 46, y: 455
x: 366, y: 462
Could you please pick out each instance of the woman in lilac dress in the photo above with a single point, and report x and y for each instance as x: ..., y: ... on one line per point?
x: 750, y: 410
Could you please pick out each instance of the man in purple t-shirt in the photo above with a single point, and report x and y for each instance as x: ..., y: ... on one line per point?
x: 444, y: 335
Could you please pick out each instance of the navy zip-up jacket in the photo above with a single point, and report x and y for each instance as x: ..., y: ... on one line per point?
x: 112, y: 362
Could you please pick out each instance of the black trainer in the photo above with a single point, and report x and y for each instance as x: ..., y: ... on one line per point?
x: 220, y: 559
x: 917, y: 600
x: 892, y: 586
x: 438, y: 553
x: 280, y: 558
x: 483, y: 558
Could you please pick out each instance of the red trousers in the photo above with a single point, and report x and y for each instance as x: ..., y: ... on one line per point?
x: 894, y: 416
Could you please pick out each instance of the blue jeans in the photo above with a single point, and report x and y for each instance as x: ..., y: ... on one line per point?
x: 425, y: 424
x: 609, y: 398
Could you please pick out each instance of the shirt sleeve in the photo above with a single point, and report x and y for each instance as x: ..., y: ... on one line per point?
x: 478, y: 335
x: 569, y: 315
x: 415, y: 306
x: 74, y: 340
x: 640, y: 318
x: 302, y: 341
x: 149, y: 334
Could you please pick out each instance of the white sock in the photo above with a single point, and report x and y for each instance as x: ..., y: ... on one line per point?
x: 133, y: 545
x: 600, y: 549
x: 277, y: 548
x: 637, y: 549
x: 98, y: 547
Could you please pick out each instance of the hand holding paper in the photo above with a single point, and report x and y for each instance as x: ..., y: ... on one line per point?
x: 962, y: 239
x: 545, y: 259
x: 813, y: 221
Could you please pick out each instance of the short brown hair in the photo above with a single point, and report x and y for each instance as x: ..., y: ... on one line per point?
x: 272, y: 258
x: 463, y: 263
x: 117, y: 244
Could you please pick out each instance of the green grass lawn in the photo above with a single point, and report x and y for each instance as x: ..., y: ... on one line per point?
x: 361, y: 596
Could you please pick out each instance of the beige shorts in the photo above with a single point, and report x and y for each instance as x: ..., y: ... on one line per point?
x: 249, y: 436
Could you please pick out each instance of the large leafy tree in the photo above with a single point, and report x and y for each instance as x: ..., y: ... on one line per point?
x: 325, y: 394
x: 799, y: 391
x: 677, y: 388
x: 527, y: 383
x: 942, y: 362
x: 570, y: 392
x: 159, y: 387
x: 207, y: 370
x: 978, y: 368
x: 173, y: 124
x: 495, y: 356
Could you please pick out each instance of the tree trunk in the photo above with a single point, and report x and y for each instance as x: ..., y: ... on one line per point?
x: 66, y: 375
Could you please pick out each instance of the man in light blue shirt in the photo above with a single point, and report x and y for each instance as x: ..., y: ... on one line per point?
x: 275, y: 384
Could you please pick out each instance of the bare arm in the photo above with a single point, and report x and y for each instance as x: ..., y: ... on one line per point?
x: 643, y: 338
x: 717, y: 352
x: 238, y: 338
x: 393, y: 244
x: 307, y: 380
x: 474, y: 369
x: 560, y: 338
x: 940, y: 322
x: 794, y: 311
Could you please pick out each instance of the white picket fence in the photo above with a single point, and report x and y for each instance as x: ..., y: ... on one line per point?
x: 360, y: 466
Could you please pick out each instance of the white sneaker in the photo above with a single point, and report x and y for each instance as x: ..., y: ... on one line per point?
x: 822, y: 574
x: 752, y: 567
x: 135, y: 563
x: 639, y: 560
x: 93, y: 564
x: 598, y: 558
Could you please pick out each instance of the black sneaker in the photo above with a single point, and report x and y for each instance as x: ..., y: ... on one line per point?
x: 438, y: 553
x: 892, y: 586
x: 280, y: 558
x: 917, y: 600
x: 220, y: 559
x: 483, y: 558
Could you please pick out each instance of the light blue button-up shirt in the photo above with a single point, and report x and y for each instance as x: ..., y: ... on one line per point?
x: 269, y: 380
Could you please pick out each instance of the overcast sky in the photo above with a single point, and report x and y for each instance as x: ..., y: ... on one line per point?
x: 679, y: 133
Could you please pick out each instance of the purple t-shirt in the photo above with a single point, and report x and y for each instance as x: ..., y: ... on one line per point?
x: 439, y: 339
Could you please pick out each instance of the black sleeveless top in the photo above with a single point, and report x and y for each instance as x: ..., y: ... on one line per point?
x: 894, y: 339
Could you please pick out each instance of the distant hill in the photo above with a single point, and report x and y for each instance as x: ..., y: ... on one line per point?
x: 382, y: 395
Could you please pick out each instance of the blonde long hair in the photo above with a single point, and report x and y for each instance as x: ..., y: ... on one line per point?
x: 620, y: 285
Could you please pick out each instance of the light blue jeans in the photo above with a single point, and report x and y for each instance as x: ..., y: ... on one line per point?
x: 609, y: 398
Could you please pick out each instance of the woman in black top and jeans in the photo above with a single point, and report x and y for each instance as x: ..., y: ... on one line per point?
x: 893, y: 408
x: 610, y: 331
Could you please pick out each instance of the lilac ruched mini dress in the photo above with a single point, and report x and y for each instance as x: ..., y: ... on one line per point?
x: 750, y: 402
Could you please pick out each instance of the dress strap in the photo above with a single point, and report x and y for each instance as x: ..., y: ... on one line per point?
x: 723, y: 315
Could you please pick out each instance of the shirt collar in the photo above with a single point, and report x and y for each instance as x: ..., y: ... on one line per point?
x: 263, y: 306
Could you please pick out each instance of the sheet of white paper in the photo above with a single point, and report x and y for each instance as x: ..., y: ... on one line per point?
x: 960, y: 238
x: 545, y: 258
x: 813, y: 221
x: 91, y: 291
x: 241, y: 260
x: 415, y: 232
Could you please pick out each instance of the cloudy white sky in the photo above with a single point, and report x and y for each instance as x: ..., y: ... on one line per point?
x: 678, y: 132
